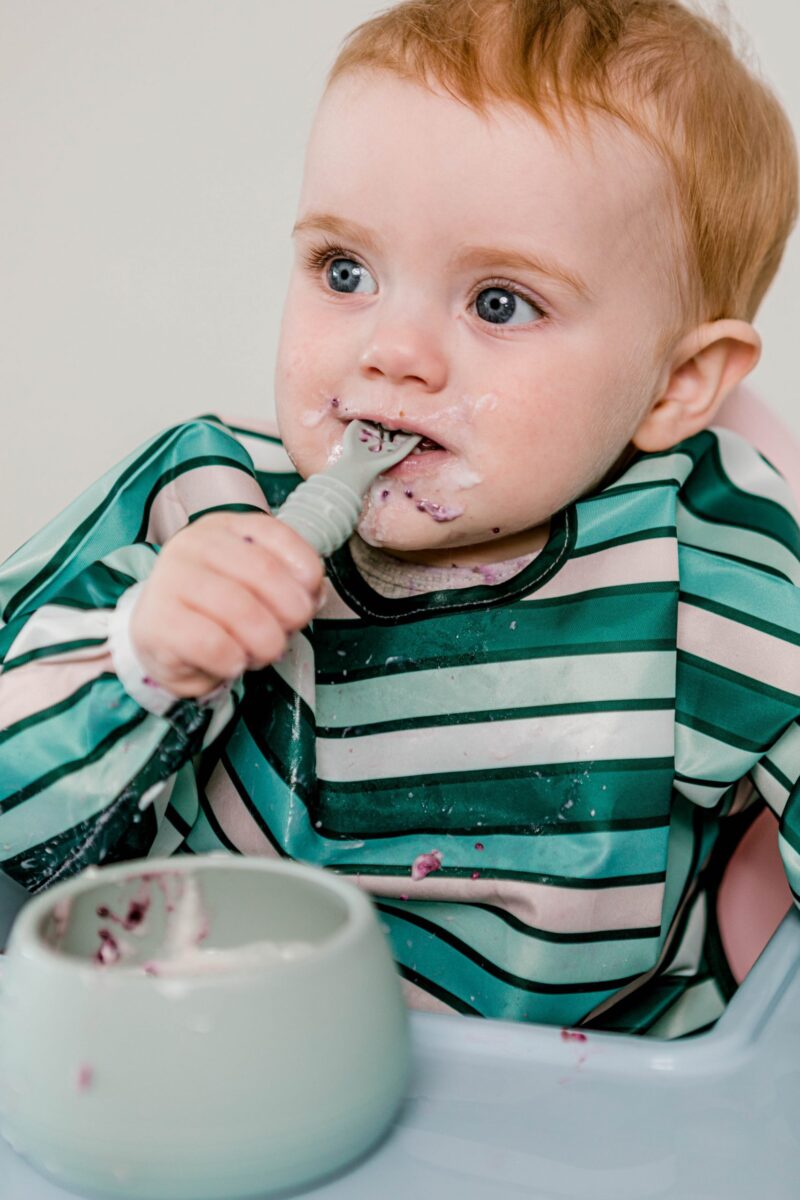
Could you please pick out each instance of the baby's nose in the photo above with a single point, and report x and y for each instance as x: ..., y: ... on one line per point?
x: 405, y: 353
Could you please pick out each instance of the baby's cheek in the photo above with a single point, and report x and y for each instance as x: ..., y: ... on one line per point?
x: 312, y: 445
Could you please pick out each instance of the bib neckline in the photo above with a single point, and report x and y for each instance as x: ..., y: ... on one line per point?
x: 367, y: 602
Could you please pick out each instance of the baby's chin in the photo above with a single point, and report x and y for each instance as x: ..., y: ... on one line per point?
x: 385, y: 528
x: 406, y: 531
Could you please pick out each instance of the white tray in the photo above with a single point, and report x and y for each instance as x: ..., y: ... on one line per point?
x: 498, y: 1109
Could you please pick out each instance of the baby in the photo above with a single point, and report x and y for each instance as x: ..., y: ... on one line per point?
x: 538, y: 699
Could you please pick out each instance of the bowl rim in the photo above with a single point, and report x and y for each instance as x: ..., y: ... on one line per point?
x: 27, y: 935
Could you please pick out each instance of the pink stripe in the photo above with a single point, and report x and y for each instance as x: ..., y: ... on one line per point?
x: 652, y: 561
x: 196, y: 490
x: 235, y: 820
x: 739, y: 648
x: 39, y: 685
x: 551, y: 909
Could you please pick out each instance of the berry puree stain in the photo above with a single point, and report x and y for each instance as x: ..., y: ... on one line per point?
x: 85, y: 1078
x: 424, y: 864
x: 574, y: 1035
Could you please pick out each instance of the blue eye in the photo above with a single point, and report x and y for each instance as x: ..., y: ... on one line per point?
x: 498, y: 305
x: 345, y: 274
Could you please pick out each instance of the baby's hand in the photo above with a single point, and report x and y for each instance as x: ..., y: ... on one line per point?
x: 224, y: 596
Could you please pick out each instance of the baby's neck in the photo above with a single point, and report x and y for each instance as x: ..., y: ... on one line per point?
x: 499, y: 549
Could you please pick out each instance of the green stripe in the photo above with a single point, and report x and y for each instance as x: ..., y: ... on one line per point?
x: 603, y: 518
x: 515, y: 800
x: 755, y: 549
x: 623, y: 489
x: 769, y: 766
x: 445, y: 939
x: 734, y: 693
x: 571, y: 939
x: 623, y: 622
x: 709, y: 493
x: 735, y: 740
x: 109, y: 502
x: 435, y: 989
x: 745, y: 618
x: 474, y: 930
x: 400, y: 665
x: 101, y: 748
x: 226, y: 508
x: 492, y: 715
x: 55, y: 710
x: 625, y: 539
x: 51, y: 651
x: 169, y: 474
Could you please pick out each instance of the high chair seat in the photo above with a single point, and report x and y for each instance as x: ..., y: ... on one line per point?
x: 754, y: 894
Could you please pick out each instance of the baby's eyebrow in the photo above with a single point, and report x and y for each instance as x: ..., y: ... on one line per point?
x: 468, y: 255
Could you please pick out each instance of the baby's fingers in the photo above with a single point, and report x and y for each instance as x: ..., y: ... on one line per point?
x: 201, y: 655
x: 248, y: 620
x: 266, y: 576
x: 283, y: 543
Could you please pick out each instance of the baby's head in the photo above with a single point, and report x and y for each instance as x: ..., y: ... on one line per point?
x: 537, y: 232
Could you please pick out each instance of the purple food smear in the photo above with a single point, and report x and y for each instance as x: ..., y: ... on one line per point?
x: 424, y: 864
x: 572, y: 1035
x: 373, y: 437
x: 138, y: 908
x: 109, y: 951
x: 439, y: 512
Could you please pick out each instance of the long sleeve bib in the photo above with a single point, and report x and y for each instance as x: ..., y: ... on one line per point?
x: 539, y: 781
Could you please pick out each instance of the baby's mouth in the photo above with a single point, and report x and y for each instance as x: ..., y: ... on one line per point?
x: 425, y: 446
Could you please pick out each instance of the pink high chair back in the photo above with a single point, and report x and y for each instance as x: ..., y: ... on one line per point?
x: 754, y: 895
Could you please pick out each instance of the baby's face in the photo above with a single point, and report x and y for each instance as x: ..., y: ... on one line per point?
x: 530, y: 377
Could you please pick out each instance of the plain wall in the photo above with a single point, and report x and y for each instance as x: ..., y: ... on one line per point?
x: 150, y: 162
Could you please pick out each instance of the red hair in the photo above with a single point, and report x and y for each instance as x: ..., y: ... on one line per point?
x: 668, y: 73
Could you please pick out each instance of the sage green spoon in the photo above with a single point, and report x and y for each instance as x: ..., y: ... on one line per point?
x: 326, y: 507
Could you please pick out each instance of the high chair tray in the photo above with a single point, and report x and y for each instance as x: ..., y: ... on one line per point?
x: 499, y: 1110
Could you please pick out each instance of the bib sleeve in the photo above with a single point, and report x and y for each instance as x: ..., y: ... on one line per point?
x: 95, y: 763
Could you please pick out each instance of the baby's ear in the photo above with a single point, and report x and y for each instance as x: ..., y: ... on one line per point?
x: 705, y: 367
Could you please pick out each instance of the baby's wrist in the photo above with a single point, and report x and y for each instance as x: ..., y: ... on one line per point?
x: 137, y: 681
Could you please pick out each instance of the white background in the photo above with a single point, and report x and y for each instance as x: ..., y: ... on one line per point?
x: 150, y: 162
